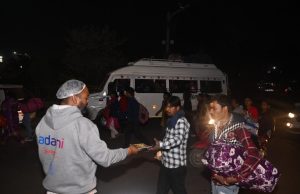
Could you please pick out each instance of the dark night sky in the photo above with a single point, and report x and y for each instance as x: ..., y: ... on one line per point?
x: 232, y: 32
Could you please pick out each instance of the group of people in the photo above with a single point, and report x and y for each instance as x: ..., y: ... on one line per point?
x: 10, y: 117
x: 68, y: 140
x: 262, y: 116
x: 122, y: 114
x: 260, y: 120
x: 13, y: 109
x: 231, y: 133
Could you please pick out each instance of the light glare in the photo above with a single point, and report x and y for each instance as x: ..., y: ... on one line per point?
x: 291, y: 115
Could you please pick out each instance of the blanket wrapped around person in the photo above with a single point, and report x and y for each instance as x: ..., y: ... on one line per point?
x: 226, y: 159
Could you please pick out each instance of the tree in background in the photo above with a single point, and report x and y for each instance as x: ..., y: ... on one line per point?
x: 15, y: 67
x: 92, y: 53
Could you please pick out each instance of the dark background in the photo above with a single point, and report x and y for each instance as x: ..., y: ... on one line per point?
x: 56, y: 40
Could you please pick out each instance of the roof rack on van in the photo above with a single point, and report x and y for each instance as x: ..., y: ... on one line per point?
x: 169, y: 63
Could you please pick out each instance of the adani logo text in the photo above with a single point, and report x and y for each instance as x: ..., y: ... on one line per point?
x: 48, y: 140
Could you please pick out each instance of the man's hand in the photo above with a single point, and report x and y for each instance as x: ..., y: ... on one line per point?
x: 231, y: 180
x: 158, y: 155
x: 132, y: 150
x: 224, y: 180
x: 156, y: 146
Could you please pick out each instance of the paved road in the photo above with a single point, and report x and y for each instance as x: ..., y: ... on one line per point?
x: 21, y: 171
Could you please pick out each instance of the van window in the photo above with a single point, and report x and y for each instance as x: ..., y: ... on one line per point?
x: 160, y: 85
x: 180, y: 86
x: 211, y: 86
x: 150, y: 85
x: 121, y: 84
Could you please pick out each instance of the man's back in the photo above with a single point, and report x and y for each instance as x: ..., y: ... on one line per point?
x: 68, y: 146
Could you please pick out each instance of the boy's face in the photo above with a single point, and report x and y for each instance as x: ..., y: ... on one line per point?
x: 216, y: 111
x: 171, y: 110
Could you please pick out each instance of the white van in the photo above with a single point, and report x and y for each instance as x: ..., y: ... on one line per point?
x: 152, y: 77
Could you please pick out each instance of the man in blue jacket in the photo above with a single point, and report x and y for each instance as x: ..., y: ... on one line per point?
x: 132, y: 116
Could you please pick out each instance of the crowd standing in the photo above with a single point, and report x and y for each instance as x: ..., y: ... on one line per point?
x: 66, y: 139
x: 9, y: 110
x: 17, y: 114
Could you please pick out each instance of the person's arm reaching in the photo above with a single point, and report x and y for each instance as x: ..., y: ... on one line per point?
x: 97, y: 149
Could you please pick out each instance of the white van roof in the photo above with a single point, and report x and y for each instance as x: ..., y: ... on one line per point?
x: 166, y: 68
x: 168, y: 63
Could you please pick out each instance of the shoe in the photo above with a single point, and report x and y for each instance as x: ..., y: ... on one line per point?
x: 28, y: 139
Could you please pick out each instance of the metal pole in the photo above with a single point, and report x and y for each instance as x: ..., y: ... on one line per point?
x: 168, y: 34
x: 168, y: 26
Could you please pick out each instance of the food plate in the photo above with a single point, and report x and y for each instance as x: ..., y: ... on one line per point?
x: 142, y: 146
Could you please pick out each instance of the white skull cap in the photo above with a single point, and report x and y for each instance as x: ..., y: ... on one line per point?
x: 70, y: 88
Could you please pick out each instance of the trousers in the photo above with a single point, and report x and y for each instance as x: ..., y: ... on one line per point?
x: 223, y: 189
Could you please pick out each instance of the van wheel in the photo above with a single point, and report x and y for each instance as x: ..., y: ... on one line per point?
x: 195, y: 157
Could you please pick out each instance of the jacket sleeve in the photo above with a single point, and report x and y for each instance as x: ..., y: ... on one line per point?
x: 175, y: 136
x: 253, y: 157
x: 96, y: 148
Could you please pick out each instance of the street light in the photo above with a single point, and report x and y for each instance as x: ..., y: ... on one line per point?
x: 169, y: 18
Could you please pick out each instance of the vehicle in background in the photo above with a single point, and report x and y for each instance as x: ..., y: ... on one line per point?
x: 293, y: 121
x: 152, y: 77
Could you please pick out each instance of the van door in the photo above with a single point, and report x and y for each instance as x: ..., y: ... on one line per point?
x: 149, y: 92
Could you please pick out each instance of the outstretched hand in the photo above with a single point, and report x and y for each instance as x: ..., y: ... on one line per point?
x: 158, y: 155
x: 132, y: 150
x: 224, y: 180
x: 156, y: 145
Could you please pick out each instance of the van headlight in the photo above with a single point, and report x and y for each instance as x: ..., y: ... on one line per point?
x: 291, y: 115
x: 289, y: 125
